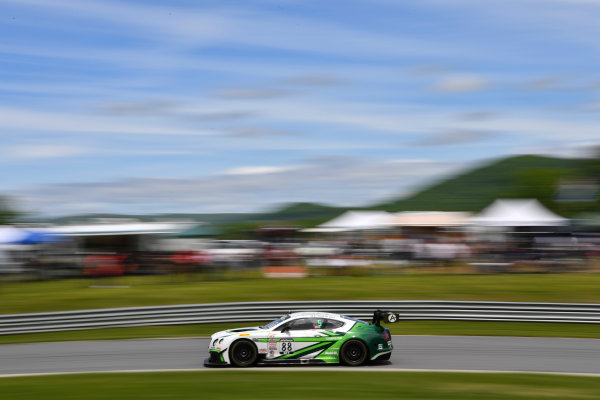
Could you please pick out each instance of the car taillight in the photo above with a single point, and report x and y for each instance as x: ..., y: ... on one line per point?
x: 385, y: 336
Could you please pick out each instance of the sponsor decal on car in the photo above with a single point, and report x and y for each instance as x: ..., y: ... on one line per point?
x: 272, y: 345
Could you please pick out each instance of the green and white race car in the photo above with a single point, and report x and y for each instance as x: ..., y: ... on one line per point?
x: 304, y: 338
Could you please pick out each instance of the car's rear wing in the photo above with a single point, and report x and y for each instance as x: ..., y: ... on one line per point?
x: 384, y: 316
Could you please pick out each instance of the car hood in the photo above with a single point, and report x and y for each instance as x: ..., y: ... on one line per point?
x: 236, y: 331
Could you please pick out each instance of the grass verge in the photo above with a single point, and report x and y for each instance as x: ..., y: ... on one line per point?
x: 301, y: 385
x: 162, y: 290
x: 460, y: 328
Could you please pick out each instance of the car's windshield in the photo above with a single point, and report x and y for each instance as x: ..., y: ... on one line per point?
x: 276, y: 322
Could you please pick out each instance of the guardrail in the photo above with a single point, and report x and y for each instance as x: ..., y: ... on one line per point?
x: 265, y: 311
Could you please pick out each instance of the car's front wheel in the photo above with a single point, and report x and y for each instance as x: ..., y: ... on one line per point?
x: 243, y: 353
x: 353, y: 353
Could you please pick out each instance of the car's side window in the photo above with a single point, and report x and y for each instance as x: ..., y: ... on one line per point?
x: 303, y: 323
x: 331, y: 324
x: 311, y: 323
x: 287, y: 325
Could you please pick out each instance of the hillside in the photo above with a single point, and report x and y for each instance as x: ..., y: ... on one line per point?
x: 525, y: 176
x: 513, y: 177
x: 304, y: 211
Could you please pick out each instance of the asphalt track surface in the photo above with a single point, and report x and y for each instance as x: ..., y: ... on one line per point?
x: 466, y: 353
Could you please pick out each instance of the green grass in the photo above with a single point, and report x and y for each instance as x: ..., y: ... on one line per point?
x: 290, y: 385
x: 162, y: 290
x: 460, y: 328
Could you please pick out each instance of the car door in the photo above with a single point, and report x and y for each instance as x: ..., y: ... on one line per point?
x: 294, y: 339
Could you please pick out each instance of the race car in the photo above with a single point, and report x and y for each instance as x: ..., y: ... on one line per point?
x: 304, y: 338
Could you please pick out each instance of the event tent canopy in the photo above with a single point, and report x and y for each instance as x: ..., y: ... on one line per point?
x: 517, y: 212
x: 430, y: 218
x: 114, y: 229
x: 355, y: 220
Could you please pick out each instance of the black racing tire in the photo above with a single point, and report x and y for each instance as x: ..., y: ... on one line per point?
x: 243, y: 353
x: 354, y: 353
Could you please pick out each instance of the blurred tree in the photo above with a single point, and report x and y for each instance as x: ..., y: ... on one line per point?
x: 593, y: 171
x: 7, y: 213
x: 537, y: 183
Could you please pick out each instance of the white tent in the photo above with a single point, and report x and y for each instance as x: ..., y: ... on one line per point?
x: 129, y: 228
x: 430, y: 218
x: 517, y: 212
x: 355, y: 220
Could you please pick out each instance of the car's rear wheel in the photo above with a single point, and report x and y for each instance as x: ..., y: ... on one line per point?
x: 353, y: 353
x: 243, y: 353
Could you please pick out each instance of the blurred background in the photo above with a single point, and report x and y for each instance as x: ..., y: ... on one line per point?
x: 445, y: 153
x: 298, y: 138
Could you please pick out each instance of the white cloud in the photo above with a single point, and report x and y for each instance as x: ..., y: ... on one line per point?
x: 172, y: 22
x: 590, y: 2
x: 182, y: 27
x: 335, y: 180
x: 317, y: 80
x: 571, y: 150
x: 256, y: 170
x: 547, y: 83
x: 45, y: 151
x: 594, y: 106
x: 538, y: 127
x: 455, y: 137
x: 461, y: 83
x: 253, y: 93
x: 403, y: 119
x: 57, y: 121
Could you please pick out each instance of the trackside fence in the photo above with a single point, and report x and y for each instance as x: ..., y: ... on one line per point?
x: 265, y: 311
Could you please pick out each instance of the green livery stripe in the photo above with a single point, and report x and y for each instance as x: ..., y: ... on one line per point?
x: 332, y: 334
x: 308, y: 350
x: 305, y: 339
x: 314, y: 339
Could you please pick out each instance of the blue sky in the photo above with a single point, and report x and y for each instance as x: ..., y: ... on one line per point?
x: 237, y: 106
